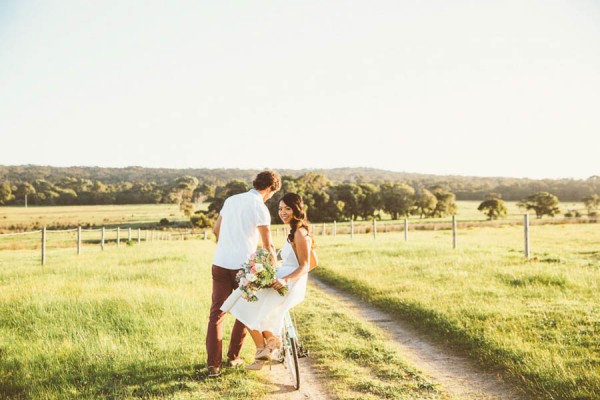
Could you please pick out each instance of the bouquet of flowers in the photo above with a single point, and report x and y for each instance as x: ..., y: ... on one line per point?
x: 257, y: 273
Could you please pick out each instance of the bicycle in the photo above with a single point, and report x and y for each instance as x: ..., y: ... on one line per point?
x: 291, y: 349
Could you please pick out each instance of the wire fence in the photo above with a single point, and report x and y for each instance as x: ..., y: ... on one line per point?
x: 77, y: 238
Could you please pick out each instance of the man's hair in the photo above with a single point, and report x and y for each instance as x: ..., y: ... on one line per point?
x: 267, y: 179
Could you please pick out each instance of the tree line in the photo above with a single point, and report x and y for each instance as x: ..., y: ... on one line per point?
x: 361, y: 194
x: 134, y: 185
x: 328, y: 202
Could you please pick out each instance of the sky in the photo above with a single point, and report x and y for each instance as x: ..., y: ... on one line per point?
x: 478, y: 88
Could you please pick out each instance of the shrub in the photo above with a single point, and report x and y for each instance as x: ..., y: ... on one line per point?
x: 202, y: 220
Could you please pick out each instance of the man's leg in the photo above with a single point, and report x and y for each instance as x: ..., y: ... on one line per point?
x: 238, y: 332
x: 222, y: 288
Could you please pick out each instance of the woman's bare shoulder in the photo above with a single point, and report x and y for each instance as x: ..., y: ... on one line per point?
x: 301, y: 234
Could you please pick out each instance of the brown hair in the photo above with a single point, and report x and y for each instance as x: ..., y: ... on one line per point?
x: 298, y: 220
x: 267, y: 179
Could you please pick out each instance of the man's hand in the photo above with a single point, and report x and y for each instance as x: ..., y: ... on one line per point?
x: 267, y: 241
x: 217, y: 228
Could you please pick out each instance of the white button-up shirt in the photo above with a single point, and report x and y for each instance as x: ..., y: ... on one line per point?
x: 238, y: 236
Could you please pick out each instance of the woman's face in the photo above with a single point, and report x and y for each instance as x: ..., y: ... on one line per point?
x: 285, y: 212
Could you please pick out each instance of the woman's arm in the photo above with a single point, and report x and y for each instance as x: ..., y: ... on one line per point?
x: 302, y: 244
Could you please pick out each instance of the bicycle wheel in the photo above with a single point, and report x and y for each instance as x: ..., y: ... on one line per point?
x: 291, y: 361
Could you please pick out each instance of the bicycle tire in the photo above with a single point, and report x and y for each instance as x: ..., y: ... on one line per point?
x: 291, y: 360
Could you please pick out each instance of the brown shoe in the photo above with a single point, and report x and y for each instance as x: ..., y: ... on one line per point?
x: 214, y: 372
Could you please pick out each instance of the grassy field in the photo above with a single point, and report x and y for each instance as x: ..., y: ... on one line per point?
x: 21, y: 218
x: 538, y: 319
x: 32, y: 218
x: 129, y: 323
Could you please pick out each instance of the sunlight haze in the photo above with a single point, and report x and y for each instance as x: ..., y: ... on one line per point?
x: 495, y: 88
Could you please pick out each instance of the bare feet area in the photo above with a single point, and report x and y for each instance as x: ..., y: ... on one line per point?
x: 457, y: 375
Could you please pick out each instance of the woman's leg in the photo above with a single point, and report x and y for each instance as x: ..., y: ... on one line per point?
x: 259, y: 341
x: 272, y: 341
x: 258, y: 338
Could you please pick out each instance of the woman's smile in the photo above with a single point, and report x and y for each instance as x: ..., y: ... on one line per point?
x: 285, y: 212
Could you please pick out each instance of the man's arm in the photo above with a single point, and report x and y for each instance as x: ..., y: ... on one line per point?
x: 217, y: 227
x: 267, y: 241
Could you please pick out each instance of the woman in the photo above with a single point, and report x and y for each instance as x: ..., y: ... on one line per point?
x: 264, y: 317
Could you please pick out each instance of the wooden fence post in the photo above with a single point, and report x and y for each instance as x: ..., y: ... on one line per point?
x: 146, y: 236
x: 405, y: 229
x: 102, y: 239
x: 374, y: 228
x: 453, y: 231
x: 323, y: 233
x: 351, y: 229
x: 334, y: 228
x: 128, y: 235
x: 526, y: 228
x: 78, y: 240
x: 118, y: 236
x: 44, y: 246
x: 205, y: 234
x: 139, y: 235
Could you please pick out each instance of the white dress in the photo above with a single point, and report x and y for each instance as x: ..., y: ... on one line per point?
x: 266, y: 314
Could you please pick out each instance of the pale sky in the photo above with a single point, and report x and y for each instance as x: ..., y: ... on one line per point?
x: 482, y: 88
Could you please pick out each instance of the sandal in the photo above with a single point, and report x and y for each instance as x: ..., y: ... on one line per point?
x: 255, y: 366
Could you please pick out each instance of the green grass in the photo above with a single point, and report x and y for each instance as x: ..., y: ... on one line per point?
x: 537, y: 320
x: 130, y: 323
x: 21, y: 218
x: 357, y: 358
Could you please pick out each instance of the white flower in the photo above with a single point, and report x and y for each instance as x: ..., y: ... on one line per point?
x: 258, y: 267
x: 251, y: 277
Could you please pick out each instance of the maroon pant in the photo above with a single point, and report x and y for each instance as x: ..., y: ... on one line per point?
x: 223, y: 284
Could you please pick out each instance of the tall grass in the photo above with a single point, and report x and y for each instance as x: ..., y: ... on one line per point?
x: 538, y: 319
x: 131, y: 323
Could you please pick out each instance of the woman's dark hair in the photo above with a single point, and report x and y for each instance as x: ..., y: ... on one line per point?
x: 267, y: 179
x: 293, y: 201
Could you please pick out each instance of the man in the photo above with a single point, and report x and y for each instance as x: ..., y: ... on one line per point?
x: 242, y: 220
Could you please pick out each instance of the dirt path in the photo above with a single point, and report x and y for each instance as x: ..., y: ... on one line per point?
x: 281, y: 383
x: 460, y: 377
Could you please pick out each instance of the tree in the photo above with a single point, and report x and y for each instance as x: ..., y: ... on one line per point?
x: 23, y: 190
x: 223, y: 192
x: 493, y: 208
x: 425, y: 202
x: 592, y: 203
x: 397, y: 199
x: 350, y: 196
x: 6, y: 194
x: 446, y: 202
x: 543, y: 203
x: 371, y: 202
